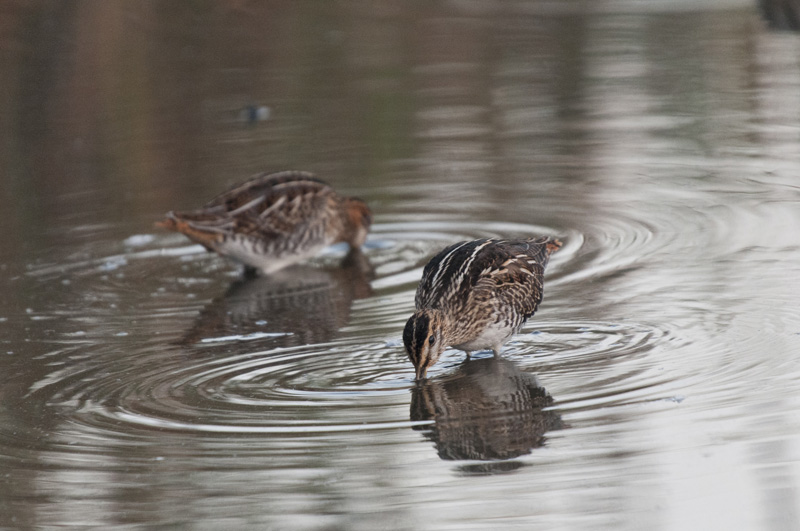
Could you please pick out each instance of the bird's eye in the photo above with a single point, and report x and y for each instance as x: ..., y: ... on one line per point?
x: 432, y: 340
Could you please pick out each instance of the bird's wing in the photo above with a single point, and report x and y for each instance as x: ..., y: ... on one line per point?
x: 271, y: 205
x: 509, y: 271
x: 450, y: 272
x: 515, y: 276
x: 516, y: 282
x: 269, y: 186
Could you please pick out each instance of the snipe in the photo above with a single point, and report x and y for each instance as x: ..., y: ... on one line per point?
x: 274, y: 220
x: 475, y: 295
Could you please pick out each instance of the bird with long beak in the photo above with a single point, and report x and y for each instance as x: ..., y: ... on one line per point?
x: 475, y: 295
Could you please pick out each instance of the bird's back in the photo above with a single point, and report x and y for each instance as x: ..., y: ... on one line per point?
x: 450, y: 279
x: 267, y: 189
x: 270, y: 207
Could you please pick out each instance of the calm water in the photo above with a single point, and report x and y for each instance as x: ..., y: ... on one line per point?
x: 144, y: 384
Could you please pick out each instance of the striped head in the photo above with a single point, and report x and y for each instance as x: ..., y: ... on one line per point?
x: 424, y: 339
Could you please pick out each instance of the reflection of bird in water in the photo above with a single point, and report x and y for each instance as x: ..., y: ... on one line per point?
x: 274, y: 220
x: 486, y: 410
x: 475, y: 295
x: 295, y: 306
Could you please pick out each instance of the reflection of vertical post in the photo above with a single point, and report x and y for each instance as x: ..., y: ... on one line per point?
x: 776, y: 73
x: 617, y: 96
x: 454, y: 116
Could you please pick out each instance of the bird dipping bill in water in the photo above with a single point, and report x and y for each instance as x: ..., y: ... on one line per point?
x: 475, y: 295
x: 274, y: 220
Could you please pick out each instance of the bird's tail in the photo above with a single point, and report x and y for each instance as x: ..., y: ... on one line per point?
x: 552, y: 245
x: 540, y: 248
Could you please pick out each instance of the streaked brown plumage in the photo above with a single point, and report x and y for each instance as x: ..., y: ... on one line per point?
x: 274, y: 220
x: 475, y: 295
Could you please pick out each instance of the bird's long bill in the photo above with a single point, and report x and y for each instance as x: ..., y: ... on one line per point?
x: 421, y: 371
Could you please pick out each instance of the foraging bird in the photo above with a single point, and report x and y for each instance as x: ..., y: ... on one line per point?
x: 475, y: 295
x: 274, y: 220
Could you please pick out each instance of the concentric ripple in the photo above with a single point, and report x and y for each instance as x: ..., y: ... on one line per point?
x: 313, y: 351
x: 316, y: 350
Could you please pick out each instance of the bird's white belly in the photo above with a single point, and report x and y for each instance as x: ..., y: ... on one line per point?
x: 491, y: 337
x: 268, y: 263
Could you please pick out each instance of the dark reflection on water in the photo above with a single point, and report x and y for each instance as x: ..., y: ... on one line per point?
x: 295, y: 306
x: 781, y: 14
x: 488, y: 409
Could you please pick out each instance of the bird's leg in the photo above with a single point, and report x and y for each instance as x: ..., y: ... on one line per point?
x: 496, y: 352
x: 468, y: 354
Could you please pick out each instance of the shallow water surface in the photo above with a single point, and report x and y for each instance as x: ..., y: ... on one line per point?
x: 146, y: 383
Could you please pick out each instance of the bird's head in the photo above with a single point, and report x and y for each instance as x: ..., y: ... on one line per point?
x: 358, y: 219
x: 424, y: 339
